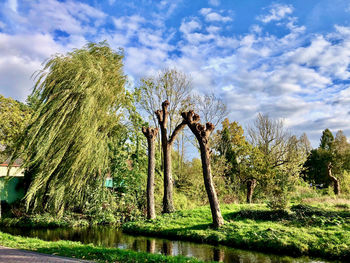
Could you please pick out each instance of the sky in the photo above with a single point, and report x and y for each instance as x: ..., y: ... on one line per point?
x: 287, y: 59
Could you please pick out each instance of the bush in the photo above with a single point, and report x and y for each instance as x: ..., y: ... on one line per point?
x: 279, y: 200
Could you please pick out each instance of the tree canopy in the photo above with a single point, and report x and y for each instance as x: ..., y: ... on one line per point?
x: 66, y: 144
x: 14, y: 116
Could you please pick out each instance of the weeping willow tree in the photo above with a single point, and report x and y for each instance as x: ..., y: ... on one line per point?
x: 66, y: 145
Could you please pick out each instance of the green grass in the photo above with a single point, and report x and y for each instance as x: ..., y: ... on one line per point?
x: 305, y: 230
x: 43, y: 221
x: 87, y: 252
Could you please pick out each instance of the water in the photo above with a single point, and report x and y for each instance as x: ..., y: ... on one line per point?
x: 111, y: 237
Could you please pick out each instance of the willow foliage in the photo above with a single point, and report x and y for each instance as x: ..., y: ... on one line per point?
x: 66, y: 144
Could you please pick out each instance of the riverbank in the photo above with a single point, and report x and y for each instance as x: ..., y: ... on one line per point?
x: 87, y: 252
x: 44, y: 221
x: 303, y: 230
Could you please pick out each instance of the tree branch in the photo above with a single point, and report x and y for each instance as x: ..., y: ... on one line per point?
x: 176, y: 132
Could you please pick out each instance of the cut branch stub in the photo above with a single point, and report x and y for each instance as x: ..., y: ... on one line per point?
x: 149, y: 132
x: 165, y: 105
x: 165, y: 112
x: 202, y: 134
x: 200, y: 131
x: 159, y: 114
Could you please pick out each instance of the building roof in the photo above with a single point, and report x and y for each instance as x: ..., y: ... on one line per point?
x: 16, y: 163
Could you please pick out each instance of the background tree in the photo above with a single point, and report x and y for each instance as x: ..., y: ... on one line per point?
x: 210, y: 107
x: 230, y: 144
x: 329, y: 163
x: 171, y: 85
x: 280, y: 152
x: 316, y: 165
x: 128, y: 164
x: 14, y: 116
x: 174, y: 87
x: 67, y: 141
x: 327, y: 140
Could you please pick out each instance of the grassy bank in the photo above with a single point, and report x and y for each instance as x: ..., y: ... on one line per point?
x: 304, y: 230
x: 88, y: 252
x: 43, y: 221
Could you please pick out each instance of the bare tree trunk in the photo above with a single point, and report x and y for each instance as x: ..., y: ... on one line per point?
x: 336, y: 184
x: 162, y: 116
x: 168, y: 205
x: 151, y: 134
x: 251, y: 183
x: 202, y: 134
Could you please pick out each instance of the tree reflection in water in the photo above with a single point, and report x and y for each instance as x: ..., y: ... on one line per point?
x: 112, y: 237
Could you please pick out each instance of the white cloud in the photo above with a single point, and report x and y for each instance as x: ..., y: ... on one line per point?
x: 205, y: 11
x: 71, y: 17
x: 130, y: 24
x: 217, y: 17
x: 276, y: 13
x: 213, y: 29
x: 214, y: 2
x: 213, y: 16
x: 20, y: 57
x: 12, y: 4
x: 295, y: 76
x: 188, y: 27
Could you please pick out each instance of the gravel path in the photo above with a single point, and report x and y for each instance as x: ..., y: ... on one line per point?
x: 11, y: 255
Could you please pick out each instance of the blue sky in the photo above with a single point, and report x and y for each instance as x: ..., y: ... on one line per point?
x: 289, y: 59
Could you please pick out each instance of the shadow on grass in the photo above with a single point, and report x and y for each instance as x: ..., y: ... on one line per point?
x: 298, y: 213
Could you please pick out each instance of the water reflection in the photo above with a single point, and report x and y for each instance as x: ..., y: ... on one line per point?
x: 110, y: 237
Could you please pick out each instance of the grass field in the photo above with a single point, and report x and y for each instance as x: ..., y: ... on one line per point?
x: 315, y: 230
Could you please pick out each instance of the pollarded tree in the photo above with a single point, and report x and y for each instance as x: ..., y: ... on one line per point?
x: 202, y: 134
x: 174, y: 87
x: 66, y: 144
x: 167, y: 144
x: 150, y: 134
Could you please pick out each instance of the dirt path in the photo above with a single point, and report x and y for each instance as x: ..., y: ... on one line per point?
x: 11, y: 255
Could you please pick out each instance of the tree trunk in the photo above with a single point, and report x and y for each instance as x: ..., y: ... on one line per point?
x: 168, y: 205
x: 336, y: 184
x: 202, y: 134
x: 150, y: 134
x: 209, y: 186
x: 251, y: 183
x: 162, y: 116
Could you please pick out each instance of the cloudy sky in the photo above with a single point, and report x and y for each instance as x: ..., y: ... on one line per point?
x: 289, y: 59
